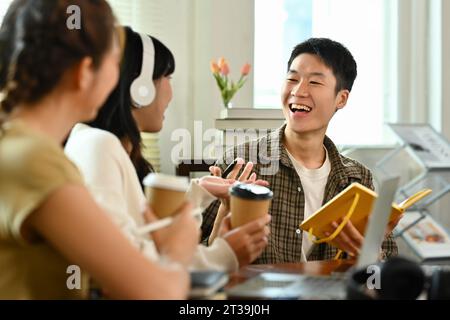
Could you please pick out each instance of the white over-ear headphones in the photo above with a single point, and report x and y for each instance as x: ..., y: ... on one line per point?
x: 142, y: 89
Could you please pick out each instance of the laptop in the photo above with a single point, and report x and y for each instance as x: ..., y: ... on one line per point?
x: 269, y: 285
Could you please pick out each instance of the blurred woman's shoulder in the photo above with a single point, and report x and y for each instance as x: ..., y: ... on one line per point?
x: 30, y: 160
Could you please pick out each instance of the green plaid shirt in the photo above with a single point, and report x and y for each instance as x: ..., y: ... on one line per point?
x: 272, y: 163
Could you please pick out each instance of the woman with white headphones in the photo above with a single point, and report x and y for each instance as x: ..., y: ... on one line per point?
x: 108, y: 153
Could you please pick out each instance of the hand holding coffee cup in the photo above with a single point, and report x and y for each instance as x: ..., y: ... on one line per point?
x: 165, y: 194
x: 248, y: 202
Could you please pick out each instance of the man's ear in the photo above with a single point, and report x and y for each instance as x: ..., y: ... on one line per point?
x: 84, y: 73
x: 341, y: 99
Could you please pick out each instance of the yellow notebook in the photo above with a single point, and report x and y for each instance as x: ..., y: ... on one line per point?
x: 399, y: 209
x: 352, y: 204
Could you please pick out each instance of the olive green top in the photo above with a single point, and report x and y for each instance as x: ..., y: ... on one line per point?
x: 32, y: 167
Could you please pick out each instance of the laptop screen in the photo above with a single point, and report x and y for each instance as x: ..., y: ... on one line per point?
x: 378, y: 220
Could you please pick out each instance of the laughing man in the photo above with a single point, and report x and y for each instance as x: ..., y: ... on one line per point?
x: 309, y: 170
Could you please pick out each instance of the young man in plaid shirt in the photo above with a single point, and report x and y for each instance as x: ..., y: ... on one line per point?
x: 302, y: 165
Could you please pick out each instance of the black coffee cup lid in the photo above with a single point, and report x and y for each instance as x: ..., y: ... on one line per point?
x: 250, y: 191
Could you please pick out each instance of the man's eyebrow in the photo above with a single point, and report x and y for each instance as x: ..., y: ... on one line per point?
x: 317, y: 74
x: 311, y: 74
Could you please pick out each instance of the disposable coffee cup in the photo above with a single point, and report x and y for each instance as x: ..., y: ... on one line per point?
x: 165, y: 194
x: 248, y: 202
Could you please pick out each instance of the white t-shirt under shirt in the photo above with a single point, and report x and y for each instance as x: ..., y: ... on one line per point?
x: 111, y: 177
x: 313, y: 184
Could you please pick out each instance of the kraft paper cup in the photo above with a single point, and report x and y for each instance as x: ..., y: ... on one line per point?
x: 248, y: 202
x: 165, y: 194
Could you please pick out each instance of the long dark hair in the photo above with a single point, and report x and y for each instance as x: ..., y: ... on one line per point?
x: 115, y: 116
x: 37, y: 47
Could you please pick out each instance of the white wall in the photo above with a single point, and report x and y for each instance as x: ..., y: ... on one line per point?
x: 445, y: 36
x: 177, y: 34
x: 198, y: 31
x: 423, y: 63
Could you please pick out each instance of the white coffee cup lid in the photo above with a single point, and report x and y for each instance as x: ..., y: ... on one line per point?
x: 159, y: 180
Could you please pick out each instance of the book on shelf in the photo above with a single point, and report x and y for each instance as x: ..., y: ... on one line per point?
x: 429, y: 240
x: 428, y: 146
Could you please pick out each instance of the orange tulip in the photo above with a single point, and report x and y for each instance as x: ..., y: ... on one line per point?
x: 245, y: 69
x: 221, y: 62
x: 225, y: 69
x: 214, y: 67
x: 228, y: 88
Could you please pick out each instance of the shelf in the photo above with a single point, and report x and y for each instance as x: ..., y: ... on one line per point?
x: 260, y: 124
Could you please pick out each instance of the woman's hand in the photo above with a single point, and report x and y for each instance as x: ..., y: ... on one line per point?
x: 179, y: 240
x: 247, y: 241
x: 246, y: 177
x: 217, y: 186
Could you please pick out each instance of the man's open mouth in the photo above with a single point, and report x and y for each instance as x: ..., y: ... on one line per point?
x: 299, y: 108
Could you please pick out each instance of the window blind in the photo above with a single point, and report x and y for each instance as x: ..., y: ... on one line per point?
x: 142, y: 15
x: 4, y: 5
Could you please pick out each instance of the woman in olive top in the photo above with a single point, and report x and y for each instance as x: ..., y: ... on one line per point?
x: 52, y: 77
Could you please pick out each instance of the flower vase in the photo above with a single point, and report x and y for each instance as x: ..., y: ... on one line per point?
x: 228, y: 105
